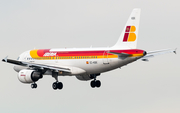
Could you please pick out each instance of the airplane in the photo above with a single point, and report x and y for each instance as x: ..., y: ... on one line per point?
x: 83, y: 63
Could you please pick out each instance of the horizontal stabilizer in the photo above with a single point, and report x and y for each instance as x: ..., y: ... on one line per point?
x: 159, y: 52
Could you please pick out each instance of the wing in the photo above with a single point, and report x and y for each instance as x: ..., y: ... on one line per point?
x: 36, y: 65
x: 155, y: 53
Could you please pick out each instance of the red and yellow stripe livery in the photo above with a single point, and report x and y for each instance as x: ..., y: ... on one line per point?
x: 98, y: 54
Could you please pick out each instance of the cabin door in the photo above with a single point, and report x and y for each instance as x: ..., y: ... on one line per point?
x: 105, y: 57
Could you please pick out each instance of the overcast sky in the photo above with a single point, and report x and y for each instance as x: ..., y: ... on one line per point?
x: 140, y: 87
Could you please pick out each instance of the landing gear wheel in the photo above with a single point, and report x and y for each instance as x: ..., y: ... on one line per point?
x: 98, y: 83
x: 93, y: 84
x: 55, y: 85
x: 33, y: 85
x: 60, y: 85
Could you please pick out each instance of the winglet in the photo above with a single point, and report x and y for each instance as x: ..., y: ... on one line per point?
x: 5, y: 59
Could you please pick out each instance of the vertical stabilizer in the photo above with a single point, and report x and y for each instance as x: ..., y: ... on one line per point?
x: 129, y: 35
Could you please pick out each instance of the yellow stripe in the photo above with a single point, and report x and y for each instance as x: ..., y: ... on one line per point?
x: 33, y: 53
x: 132, y: 37
x: 133, y: 29
x: 135, y: 55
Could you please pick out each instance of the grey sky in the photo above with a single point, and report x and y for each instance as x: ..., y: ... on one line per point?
x: 140, y: 87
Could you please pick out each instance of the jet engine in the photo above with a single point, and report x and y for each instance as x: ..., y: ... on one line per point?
x: 29, y: 76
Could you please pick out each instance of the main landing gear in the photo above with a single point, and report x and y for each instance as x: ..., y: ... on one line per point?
x: 95, y: 83
x: 34, y: 85
x: 56, y: 85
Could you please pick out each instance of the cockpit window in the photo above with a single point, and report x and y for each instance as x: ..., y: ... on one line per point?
x: 18, y: 58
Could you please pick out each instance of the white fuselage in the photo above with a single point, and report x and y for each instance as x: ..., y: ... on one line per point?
x: 97, y: 64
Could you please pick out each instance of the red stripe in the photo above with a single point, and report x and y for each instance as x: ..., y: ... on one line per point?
x: 80, y: 53
x: 128, y: 28
x: 86, y: 53
x: 125, y: 37
x: 132, y: 51
x: 41, y: 52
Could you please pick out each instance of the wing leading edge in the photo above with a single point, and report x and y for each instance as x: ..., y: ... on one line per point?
x: 36, y: 65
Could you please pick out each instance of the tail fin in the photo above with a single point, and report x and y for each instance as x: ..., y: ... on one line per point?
x: 128, y: 37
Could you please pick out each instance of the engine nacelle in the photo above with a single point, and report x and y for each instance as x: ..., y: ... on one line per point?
x: 29, y: 76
